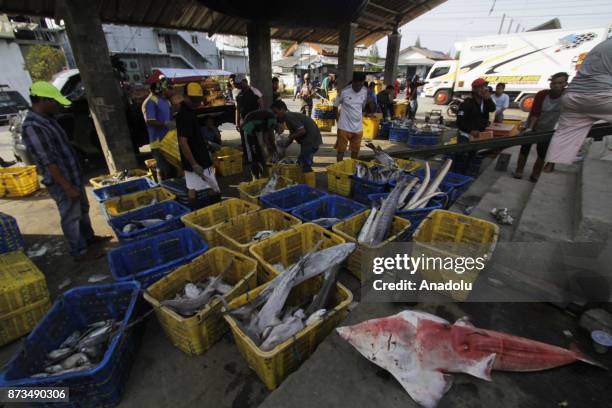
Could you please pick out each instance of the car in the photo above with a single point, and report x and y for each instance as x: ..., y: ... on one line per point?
x: 11, y: 102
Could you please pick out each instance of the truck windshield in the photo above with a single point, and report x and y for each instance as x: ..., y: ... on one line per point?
x: 6, y: 100
x: 439, y: 72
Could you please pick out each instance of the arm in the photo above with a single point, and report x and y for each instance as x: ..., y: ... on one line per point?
x: 58, y: 178
x: 536, y: 110
x: 150, y: 114
x: 237, y: 119
x: 184, y: 145
x: 462, y: 114
x: 217, y: 136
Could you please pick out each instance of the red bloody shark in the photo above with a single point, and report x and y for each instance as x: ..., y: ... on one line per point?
x: 420, y: 349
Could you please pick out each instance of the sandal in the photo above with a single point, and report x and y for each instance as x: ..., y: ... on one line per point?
x: 517, y: 175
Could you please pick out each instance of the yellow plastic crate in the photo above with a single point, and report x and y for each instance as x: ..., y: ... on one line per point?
x: 206, y: 220
x: 21, y: 282
x: 349, y: 230
x: 448, y: 234
x: 290, y: 171
x: 370, y: 127
x: 289, y: 246
x: 339, y: 176
x: 332, y: 95
x: 98, y: 182
x: 407, y: 165
x: 169, y: 147
x: 18, y: 181
x: 21, y: 321
x: 228, y: 161
x: 130, y: 202
x: 274, y: 366
x: 249, y: 190
x: 325, y: 125
x: 400, y: 109
x: 237, y: 233
x: 196, y: 334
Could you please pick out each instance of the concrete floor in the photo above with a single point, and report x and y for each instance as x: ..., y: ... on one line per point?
x: 163, y: 376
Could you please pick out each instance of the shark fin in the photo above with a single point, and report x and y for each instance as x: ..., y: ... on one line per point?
x: 426, y: 387
x: 464, y: 321
x: 481, y: 368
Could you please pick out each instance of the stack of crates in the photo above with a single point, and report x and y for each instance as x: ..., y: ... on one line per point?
x: 251, y: 190
x: 18, y: 181
x: 24, y: 298
x: 170, y: 149
x: 339, y: 176
x: 10, y: 236
x: 111, y: 179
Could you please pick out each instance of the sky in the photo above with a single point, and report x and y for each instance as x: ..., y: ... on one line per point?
x: 457, y: 20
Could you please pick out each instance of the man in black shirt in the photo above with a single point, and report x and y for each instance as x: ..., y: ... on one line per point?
x: 258, y: 127
x: 249, y: 99
x: 385, y: 101
x: 195, y: 155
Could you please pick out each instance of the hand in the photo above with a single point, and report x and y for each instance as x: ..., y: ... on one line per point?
x: 238, y: 128
x: 199, y: 170
x: 73, y: 193
x: 475, y: 133
x: 170, y: 124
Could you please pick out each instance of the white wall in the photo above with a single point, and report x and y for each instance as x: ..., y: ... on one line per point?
x: 13, y: 69
x: 122, y: 38
x: 235, y: 63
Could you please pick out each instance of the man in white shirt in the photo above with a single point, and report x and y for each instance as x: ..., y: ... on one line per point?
x: 502, y: 102
x: 351, y: 101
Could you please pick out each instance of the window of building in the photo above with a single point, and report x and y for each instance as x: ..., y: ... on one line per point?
x: 439, y: 72
x: 194, y: 39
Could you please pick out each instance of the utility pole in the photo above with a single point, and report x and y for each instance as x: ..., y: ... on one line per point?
x: 510, y: 26
x: 501, y: 24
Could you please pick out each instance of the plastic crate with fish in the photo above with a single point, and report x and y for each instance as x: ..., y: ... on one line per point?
x: 228, y: 161
x: 362, y: 188
x: 291, y: 197
x: 251, y: 190
x: 275, y: 365
x: 240, y: 233
x: 118, y: 177
x: 288, y: 246
x: 370, y: 127
x: 148, y: 221
x: 420, y: 138
x: 454, y: 184
x: 325, y: 125
x: 399, y: 134
x: 169, y: 147
x: 444, y: 234
x: 148, y: 260
x: 339, y: 174
x: 123, y: 188
x: 349, y: 230
x: 18, y: 181
x: 407, y: 165
x: 102, y: 383
x: 385, y: 126
x: 324, y: 111
x: 206, y: 220
x: 178, y: 187
x: 415, y: 216
x: 331, y: 206
x: 292, y: 171
x: 198, y: 333
x: 117, y: 206
x: 10, y: 236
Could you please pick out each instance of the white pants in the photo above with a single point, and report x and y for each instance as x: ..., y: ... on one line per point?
x: 197, y: 183
x: 578, y: 113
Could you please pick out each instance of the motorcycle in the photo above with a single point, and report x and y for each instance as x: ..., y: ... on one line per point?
x: 453, y: 107
x: 19, y: 148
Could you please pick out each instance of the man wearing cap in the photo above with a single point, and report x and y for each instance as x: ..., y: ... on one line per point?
x: 307, y: 91
x: 58, y: 164
x: 473, y: 118
x: 157, y: 113
x: 248, y: 100
x: 351, y: 101
x: 195, y: 156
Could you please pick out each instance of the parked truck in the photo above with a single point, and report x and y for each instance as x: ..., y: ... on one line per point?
x: 523, y: 61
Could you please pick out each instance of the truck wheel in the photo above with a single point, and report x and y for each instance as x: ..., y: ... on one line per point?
x: 442, y: 97
x: 526, y: 103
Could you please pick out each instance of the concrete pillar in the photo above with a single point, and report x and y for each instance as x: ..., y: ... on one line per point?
x: 391, y: 58
x: 108, y: 109
x: 346, y: 54
x: 260, y: 58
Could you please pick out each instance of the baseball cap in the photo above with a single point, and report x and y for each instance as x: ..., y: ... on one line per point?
x: 194, y: 89
x: 479, y: 82
x: 240, y: 77
x: 45, y: 89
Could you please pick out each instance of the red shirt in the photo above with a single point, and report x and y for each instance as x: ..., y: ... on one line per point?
x: 396, y: 84
x: 536, y: 108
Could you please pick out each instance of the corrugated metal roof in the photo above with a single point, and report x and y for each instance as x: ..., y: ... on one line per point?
x: 376, y: 21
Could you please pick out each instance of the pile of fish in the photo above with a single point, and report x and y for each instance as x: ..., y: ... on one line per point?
x: 377, y: 174
x: 271, y: 186
x: 80, y: 350
x: 195, y: 296
x: 386, y: 160
x: 424, y: 191
x: 502, y: 215
x: 259, y: 235
x: 267, y: 321
x: 135, y: 225
x: 421, y: 350
x: 326, y: 222
x: 281, y: 143
x: 288, y: 160
x: 117, y: 178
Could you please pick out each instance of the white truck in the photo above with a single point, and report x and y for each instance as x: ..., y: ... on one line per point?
x: 523, y: 61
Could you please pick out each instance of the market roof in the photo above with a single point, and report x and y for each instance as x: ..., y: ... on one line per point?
x: 183, y: 75
x: 377, y: 20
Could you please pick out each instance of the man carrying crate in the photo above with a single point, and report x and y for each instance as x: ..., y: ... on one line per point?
x: 58, y: 164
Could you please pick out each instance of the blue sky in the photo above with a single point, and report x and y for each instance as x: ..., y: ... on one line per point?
x: 457, y: 20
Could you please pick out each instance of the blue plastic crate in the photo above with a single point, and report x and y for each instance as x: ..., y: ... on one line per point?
x: 10, y: 236
x: 383, y: 132
x: 454, y: 184
x: 103, y: 384
x: 289, y: 198
x: 149, y: 259
x: 133, y: 186
x: 363, y: 188
x: 399, y: 134
x: 159, y: 210
x: 415, y: 216
x: 178, y: 187
x: 331, y: 206
x: 421, y: 138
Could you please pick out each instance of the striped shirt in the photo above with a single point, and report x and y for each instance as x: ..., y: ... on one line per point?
x: 48, y: 144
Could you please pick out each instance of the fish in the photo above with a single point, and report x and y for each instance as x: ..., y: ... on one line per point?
x: 406, y: 191
x: 97, y: 278
x: 283, y: 331
x: 422, y: 202
x: 419, y: 192
x: 316, y: 316
x: 382, y: 157
x: 75, y: 360
x: 71, y: 340
x: 366, y: 227
x: 100, y: 333
x: 59, y: 354
x: 376, y: 174
x: 326, y: 222
x: 421, y: 351
x: 92, y: 352
x: 54, y: 369
x: 223, y: 288
x: 191, y: 291
x: 384, y: 220
x: 321, y: 299
x: 259, y: 235
x: 270, y: 185
x: 442, y: 171
x: 135, y: 225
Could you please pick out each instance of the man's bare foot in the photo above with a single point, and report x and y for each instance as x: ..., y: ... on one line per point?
x: 548, y: 167
x: 99, y: 239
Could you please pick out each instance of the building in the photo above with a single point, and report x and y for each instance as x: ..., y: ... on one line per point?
x: 233, y: 52
x: 417, y: 61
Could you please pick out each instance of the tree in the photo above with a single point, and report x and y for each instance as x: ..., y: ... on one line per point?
x: 417, y: 43
x: 43, y: 61
x: 373, y: 53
